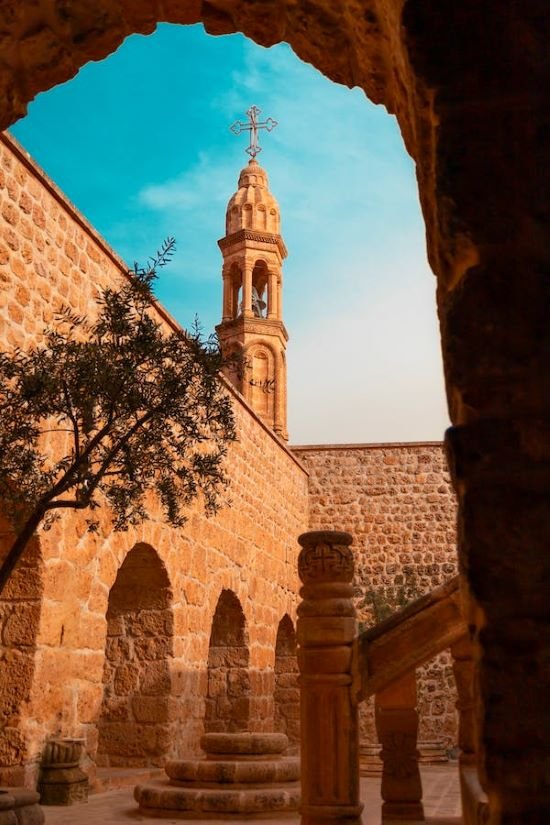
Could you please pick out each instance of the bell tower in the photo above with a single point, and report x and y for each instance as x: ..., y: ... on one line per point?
x: 252, y: 326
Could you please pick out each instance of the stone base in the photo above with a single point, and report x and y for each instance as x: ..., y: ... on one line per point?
x: 411, y: 813
x: 62, y: 786
x: 19, y: 806
x: 243, y: 774
x: 212, y: 802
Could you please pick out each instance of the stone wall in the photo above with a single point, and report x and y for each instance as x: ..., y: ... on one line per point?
x: 397, y: 502
x: 49, y: 255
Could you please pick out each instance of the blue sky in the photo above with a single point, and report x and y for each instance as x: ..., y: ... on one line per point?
x: 141, y: 144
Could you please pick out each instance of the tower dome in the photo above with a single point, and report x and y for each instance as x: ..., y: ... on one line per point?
x: 252, y: 206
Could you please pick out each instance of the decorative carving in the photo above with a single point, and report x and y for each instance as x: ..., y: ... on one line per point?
x: 322, y: 560
x: 328, y: 711
x: 61, y: 780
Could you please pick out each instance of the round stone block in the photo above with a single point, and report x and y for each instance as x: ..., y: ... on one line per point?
x: 244, y: 744
x: 203, y: 771
x: 27, y: 811
x: 162, y: 799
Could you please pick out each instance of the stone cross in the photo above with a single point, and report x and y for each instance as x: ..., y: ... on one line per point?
x: 253, y: 125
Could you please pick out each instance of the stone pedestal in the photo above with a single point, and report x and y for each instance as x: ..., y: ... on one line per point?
x: 326, y: 630
x: 243, y: 774
x: 19, y: 806
x: 61, y: 780
x: 397, y: 728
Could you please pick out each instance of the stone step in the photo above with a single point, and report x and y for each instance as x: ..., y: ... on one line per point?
x: 244, y: 744
x: 163, y: 798
x: 207, y: 771
x: 111, y: 779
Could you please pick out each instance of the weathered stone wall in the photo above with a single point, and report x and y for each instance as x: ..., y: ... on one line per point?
x: 397, y: 502
x: 49, y: 255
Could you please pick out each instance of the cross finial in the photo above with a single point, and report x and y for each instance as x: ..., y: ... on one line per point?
x: 253, y: 125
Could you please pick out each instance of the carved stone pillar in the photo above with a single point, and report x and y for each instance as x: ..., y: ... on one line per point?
x: 475, y: 809
x: 272, y: 307
x: 227, y: 305
x: 247, y: 292
x: 397, y: 727
x: 326, y: 629
x: 463, y: 669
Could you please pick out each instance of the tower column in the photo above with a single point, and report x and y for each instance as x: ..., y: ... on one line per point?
x: 227, y: 312
x: 247, y: 291
x: 272, y: 303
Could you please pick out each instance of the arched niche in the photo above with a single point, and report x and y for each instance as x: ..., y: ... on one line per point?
x: 286, y: 694
x: 134, y: 724
x: 20, y: 609
x: 260, y: 289
x: 261, y: 374
x: 228, y: 691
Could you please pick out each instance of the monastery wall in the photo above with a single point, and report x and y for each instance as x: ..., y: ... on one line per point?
x: 397, y: 502
x: 107, y: 636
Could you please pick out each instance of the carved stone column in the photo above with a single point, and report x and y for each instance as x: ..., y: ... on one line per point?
x: 326, y: 630
x: 272, y: 308
x: 227, y: 308
x: 475, y: 808
x: 397, y: 727
x: 247, y: 292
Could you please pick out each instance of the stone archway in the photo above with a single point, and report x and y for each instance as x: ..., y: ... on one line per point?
x: 134, y: 725
x: 467, y: 83
x: 20, y: 608
x: 229, y: 688
x: 286, y: 694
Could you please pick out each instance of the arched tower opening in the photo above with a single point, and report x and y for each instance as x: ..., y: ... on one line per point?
x: 228, y: 694
x: 286, y: 694
x: 134, y: 726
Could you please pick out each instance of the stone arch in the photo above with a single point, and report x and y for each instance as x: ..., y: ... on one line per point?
x: 20, y: 610
x: 262, y: 370
x: 229, y: 688
x: 449, y: 77
x: 286, y: 694
x: 134, y: 725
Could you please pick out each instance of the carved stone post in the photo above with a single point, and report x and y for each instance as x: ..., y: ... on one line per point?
x: 397, y: 728
x: 326, y: 630
x: 475, y: 808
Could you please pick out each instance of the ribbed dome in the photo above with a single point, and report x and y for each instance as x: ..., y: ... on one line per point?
x: 252, y: 206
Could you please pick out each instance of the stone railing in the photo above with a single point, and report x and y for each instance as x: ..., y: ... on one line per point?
x: 338, y: 669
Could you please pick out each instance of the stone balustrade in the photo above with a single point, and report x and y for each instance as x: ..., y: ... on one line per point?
x: 338, y: 669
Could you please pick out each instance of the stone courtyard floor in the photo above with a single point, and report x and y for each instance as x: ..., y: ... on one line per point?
x: 441, y: 805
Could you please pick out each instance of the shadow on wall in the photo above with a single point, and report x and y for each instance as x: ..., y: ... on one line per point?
x: 287, y: 692
x: 229, y: 689
x: 20, y: 607
x: 135, y: 727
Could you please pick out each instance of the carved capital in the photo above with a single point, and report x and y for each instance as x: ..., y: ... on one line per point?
x: 325, y: 557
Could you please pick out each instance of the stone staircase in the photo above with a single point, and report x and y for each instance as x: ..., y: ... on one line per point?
x: 242, y: 774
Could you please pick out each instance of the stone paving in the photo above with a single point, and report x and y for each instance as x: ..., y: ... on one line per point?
x: 441, y: 804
